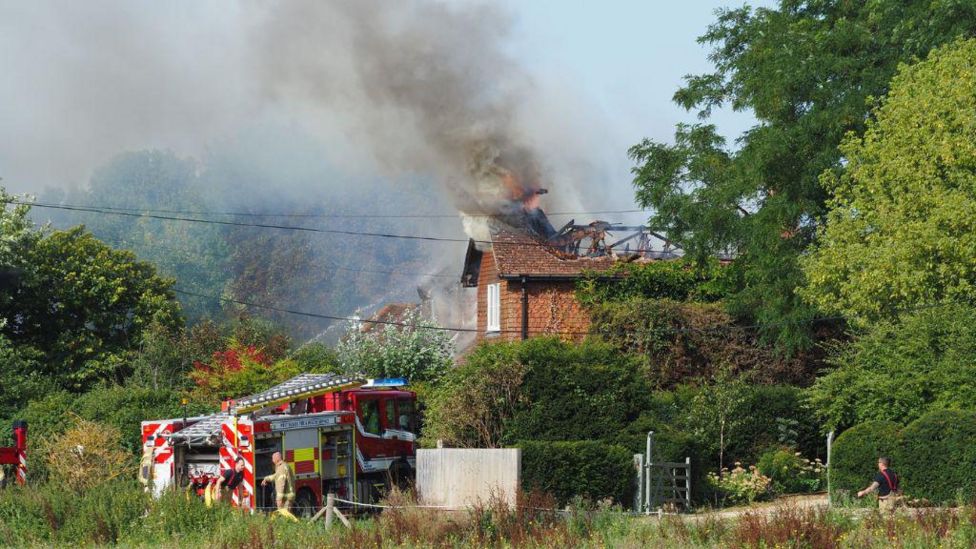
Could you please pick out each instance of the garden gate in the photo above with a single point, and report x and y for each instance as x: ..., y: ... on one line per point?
x: 661, y: 484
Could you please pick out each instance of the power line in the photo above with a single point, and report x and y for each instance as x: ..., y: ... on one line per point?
x: 279, y: 227
x: 321, y: 215
x: 132, y: 245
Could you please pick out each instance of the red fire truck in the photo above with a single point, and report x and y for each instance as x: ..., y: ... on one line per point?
x: 16, y: 455
x: 339, y: 434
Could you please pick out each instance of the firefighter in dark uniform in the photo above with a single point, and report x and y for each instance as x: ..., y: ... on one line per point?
x: 886, y: 483
x: 230, y: 479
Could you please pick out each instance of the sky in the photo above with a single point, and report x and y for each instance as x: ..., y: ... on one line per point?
x: 84, y: 81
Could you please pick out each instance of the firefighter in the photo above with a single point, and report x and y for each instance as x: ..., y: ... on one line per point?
x: 284, y: 483
x: 886, y: 483
x: 146, y: 465
x: 230, y: 479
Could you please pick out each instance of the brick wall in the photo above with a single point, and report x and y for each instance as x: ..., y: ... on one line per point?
x: 552, y: 307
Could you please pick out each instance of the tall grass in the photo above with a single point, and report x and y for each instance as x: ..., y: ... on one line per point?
x: 119, y: 513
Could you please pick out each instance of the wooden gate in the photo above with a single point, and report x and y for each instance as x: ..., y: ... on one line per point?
x: 661, y: 485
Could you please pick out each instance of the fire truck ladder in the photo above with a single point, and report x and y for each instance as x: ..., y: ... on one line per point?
x: 205, y: 432
x: 300, y: 387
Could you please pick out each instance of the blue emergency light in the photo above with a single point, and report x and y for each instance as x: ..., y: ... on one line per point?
x: 386, y: 382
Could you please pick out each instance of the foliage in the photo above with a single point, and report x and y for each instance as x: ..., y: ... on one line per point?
x: 317, y: 358
x: 676, y: 280
x: 194, y: 254
x: 475, y: 401
x: 806, y: 70
x: 684, y: 341
x: 20, y: 370
x: 936, y: 456
x: 901, y: 231
x: 741, y: 485
x: 237, y: 371
x: 791, y: 473
x: 716, y: 408
x: 855, y: 453
x: 899, y: 370
x: 120, y: 407
x: 47, y: 514
x: 410, y: 349
x: 587, y: 391
x: 88, y: 455
x: 566, y: 469
x: 85, y: 306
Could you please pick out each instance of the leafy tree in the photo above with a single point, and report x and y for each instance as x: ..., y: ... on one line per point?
x: 194, y: 254
x: 677, y: 280
x: 237, y: 371
x: 901, y: 231
x: 717, y: 408
x: 808, y: 70
x: 682, y: 342
x: 409, y: 349
x: 899, y: 370
x: 84, y: 306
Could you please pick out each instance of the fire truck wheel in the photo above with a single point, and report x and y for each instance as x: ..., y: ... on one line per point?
x: 305, y: 503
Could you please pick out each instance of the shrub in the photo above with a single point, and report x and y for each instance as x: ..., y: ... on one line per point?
x: 741, y: 485
x: 791, y: 473
x: 590, y: 469
x: 854, y: 456
x: 900, y: 370
x: 937, y: 455
x: 87, y: 455
x: 682, y: 341
x: 540, y: 389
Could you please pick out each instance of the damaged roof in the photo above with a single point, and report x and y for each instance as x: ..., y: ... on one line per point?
x: 517, y: 254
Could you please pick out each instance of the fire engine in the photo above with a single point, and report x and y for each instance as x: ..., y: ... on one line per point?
x: 16, y: 455
x: 339, y: 434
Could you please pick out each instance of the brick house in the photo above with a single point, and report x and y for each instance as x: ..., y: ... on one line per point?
x: 525, y: 287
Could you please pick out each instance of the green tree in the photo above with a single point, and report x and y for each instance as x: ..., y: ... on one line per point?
x: 194, y: 254
x: 85, y: 306
x: 414, y: 348
x: 807, y: 70
x: 901, y: 231
x: 901, y: 369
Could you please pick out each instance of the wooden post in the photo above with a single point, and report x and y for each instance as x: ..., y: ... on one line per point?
x: 329, y: 509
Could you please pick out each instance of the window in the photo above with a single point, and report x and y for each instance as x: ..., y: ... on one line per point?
x: 390, y: 407
x: 494, y: 308
x: 408, y: 419
x: 369, y: 415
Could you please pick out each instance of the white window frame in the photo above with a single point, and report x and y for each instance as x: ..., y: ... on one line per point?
x: 493, y: 308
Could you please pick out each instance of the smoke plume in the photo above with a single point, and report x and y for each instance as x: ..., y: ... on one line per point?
x: 427, y: 85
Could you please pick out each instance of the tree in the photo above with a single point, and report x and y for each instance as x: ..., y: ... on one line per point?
x: 717, y: 409
x: 901, y: 231
x: 414, y: 348
x: 194, y: 254
x: 898, y: 370
x: 84, y: 306
x: 807, y: 70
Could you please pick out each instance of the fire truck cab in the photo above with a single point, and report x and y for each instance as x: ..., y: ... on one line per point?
x: 338, y: 434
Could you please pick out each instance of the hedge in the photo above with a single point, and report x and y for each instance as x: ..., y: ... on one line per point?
x: 590, y: 469
x: 937, y: 456
x: 854, y: 456
x: 933, y: 455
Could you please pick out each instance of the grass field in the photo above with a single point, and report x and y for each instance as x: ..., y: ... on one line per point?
x: 119, y: 514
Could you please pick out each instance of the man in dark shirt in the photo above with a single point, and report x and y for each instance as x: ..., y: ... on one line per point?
x: 230, y: 479
x: 886, y: 483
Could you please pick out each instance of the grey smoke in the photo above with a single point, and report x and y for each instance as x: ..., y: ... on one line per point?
x: 426, y: 84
